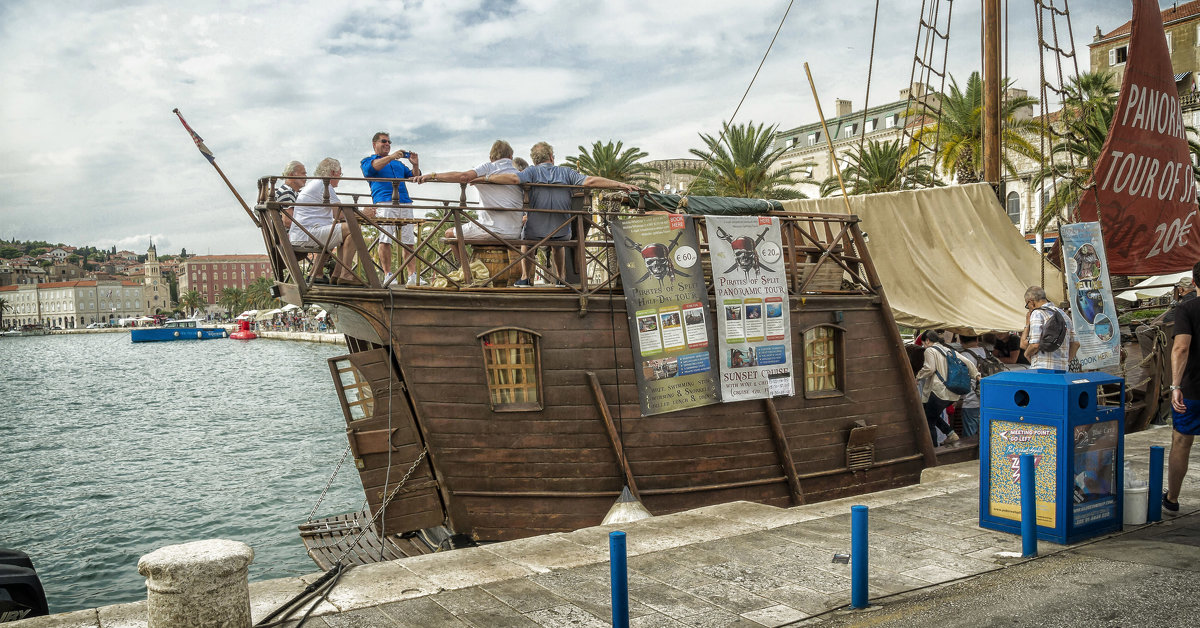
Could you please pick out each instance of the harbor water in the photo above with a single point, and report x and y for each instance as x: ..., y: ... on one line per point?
x: 110, y: 450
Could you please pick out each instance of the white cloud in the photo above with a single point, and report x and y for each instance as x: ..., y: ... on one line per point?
x: 92, y: 154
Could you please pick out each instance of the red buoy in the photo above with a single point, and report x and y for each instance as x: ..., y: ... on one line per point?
x: 243, y: 332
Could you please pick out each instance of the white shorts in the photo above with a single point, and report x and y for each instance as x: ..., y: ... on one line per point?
x: 323, y: 234
x: 408, y: 233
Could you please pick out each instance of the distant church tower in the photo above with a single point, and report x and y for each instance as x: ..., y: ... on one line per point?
x: 156, y: 291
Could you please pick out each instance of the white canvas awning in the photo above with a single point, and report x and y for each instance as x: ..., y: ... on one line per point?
x: 289, y: 307
x: 266, y: 314
x: 1167, y: 282
x: 948, y: 257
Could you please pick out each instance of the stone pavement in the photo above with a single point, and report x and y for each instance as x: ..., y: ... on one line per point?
x: 737, y: 564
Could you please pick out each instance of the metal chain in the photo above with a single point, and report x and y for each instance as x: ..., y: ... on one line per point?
x: 327, y: 485
x: 384, y: 505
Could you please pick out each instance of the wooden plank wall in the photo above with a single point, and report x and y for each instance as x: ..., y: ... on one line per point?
x: 502, y: 470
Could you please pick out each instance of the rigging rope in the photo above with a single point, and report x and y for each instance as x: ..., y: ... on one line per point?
x: 708, y: 160
x: 862, y: 138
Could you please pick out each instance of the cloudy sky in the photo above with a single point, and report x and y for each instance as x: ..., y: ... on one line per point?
x: 90, y: 152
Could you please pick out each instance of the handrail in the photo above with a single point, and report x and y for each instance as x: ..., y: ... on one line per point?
x: 814, y: 249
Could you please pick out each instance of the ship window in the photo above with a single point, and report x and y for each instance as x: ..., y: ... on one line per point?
x: 823, y: 361
x: 512, y: 359
x: 356, y: 390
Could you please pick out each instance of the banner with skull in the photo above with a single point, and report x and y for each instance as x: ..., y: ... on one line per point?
x: 1093, y: 314
x: 753, y: 326
x: 667, y: 305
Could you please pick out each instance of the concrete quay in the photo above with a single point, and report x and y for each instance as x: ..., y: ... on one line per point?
x: 737, y: 564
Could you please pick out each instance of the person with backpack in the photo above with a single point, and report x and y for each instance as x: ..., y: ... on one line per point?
x: 969, y: 406
x: 1048, y: 339
x: 944, y: 378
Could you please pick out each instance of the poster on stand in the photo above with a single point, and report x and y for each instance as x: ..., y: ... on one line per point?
x: 667, y: 304
x: 1094, y: 493
x: 1008, y: 441
x: 1093, y: 315
x: 750, y: 285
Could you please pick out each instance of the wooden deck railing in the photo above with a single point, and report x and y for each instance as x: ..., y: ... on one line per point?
x: 823, y: 253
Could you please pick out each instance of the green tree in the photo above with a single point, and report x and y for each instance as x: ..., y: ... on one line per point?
x: 10, y: 252
x: 742, y: 163
x: 231, y: 299
x: 611, y: 162
x: 955, y: 132
x: 880, y: 166
x: 191, y: 301
x: 258, y: 294
x: 5, y: 306
x: 1087, y: 114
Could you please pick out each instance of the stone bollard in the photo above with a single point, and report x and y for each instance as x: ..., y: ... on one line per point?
x: 203, y: 583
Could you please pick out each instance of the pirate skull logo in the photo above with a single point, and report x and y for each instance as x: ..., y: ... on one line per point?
x: 657, y: 257
x: 745, y: 252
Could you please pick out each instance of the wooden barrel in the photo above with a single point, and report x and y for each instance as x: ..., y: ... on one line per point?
x: 496, y: 258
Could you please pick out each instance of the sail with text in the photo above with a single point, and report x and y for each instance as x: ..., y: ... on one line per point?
x: 1144, y: 192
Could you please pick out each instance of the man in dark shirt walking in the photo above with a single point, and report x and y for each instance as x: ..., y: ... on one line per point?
x: 1185, y: 394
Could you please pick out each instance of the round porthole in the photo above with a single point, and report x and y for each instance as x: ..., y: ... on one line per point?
x: 1083, y: 400
x: 176, y: 334
x: 1021, y: 398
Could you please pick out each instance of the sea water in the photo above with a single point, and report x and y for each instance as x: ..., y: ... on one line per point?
x: 110, y: 450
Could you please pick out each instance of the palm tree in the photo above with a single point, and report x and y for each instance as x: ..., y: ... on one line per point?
x: 5, y: 306
x: 231, y: 299
x: 1086, y: 117
x: 192, y: 301
x: 258, y: 294
x: 741, y: 163
x: 881, y: 166
x: 956, y: 132
x: 610, y: 162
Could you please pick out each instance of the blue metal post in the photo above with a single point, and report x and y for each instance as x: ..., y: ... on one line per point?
x: 1156, y: 490
x: 1028, y: 508
x: 859, y: 560
x: 620, y: 579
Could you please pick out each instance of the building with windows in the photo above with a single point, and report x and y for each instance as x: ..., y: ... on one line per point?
x: 1181, y: 21
x: 210, y: 274
x: 157, y: 293
x: 807, y: 144
x: 71, y: 304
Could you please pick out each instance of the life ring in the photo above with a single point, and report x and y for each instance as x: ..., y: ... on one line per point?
x: 176, y: 334
x: 199, y: 334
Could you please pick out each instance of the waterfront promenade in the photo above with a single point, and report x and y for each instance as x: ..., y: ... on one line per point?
x: 302, y: 336
x: 738, y: 564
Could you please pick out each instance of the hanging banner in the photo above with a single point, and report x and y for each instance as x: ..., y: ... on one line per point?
x: 753, y: 318
x: 1093, y: 315
x: 667, y: 304
x: 1143, y: 191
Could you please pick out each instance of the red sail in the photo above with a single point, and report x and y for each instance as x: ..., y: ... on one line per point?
x: 1144, y: 186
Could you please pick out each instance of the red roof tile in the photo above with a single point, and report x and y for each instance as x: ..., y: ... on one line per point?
x: 1172, y: 14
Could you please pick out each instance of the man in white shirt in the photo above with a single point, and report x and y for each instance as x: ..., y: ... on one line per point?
x: 493, y: 198
x: 1040, y: 311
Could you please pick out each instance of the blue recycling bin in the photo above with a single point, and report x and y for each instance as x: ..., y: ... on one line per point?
x: 1077, y: 439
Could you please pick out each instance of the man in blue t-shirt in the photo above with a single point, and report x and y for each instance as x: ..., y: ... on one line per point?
x: 541, y: 224
x: 384, y: 164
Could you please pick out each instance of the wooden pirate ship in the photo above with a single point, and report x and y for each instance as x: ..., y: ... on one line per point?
x: 480, y: 412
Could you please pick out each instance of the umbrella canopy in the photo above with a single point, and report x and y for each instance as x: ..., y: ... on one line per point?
x: 289, y: 307
x: 262, y: 316
x: 322, y: 314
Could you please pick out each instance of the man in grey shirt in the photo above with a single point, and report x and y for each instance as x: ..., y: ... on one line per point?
x: 541, y: 224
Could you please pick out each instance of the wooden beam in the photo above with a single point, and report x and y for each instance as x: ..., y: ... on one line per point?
x: 614, y: 437
x: 784, y: 451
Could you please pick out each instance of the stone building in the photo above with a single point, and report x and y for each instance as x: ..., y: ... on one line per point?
x: 157, y: 292
x: 1110, y: 51
x: 210, y: 274
x: 666, y: 174
x: 72, y: 304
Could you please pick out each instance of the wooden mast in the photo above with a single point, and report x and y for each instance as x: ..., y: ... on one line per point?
x: 991, y: 91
